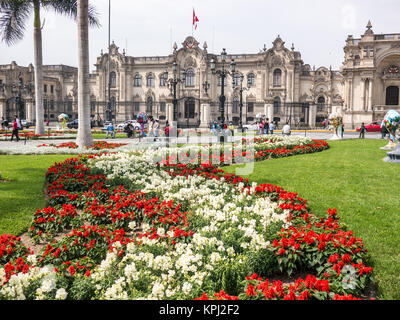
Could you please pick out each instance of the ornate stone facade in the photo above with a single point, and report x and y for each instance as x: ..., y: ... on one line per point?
x: 281, y: 86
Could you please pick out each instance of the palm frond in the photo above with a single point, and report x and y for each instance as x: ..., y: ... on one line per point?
x: 69, y: 8
x: 13, y: 17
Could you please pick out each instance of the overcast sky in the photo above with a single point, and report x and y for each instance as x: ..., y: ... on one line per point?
x: 318, y: 28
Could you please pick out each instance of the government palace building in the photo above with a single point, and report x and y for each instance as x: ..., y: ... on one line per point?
x: 275, y: 82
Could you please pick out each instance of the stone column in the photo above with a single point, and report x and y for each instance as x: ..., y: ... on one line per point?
x: 2, y: 107
x: 29, y: 109
x: 312, y: 114
x: 205, y: 115
x: 363, y: 100
x: 370, y: 95
x: 270, y: 111
x: 170, y: 112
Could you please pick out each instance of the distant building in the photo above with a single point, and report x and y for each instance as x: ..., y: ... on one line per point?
x: 281, y: 86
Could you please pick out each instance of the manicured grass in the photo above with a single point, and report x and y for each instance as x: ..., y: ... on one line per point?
x: 23, y: 194
x: 352, y: 177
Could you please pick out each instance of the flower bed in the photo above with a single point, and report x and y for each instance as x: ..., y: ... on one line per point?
x: 180, y: 231
x: 98, y: 145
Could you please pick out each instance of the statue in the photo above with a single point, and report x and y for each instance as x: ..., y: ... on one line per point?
x: 336, y: 121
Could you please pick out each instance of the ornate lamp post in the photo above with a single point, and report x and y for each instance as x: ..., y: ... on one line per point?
x: 172, y: 86
x: 241, y: 89
x: 222, y: 74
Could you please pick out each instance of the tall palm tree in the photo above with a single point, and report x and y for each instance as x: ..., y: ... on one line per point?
x: 84, y: 137
x: 13, y: 17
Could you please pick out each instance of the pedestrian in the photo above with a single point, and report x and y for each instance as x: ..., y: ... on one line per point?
x: 47, y: 122
x: 151, y: 124
x: 3, y: 123
x: 166, y: 130
x: 15, y: 130
x: 261, y: 127
x: 18, y: 122
x: 266, y: 126
x: 271, y: 127
x: 342, y: 132
x: 286, y: 129
x: 110, y: 130
x: 362, y: 131
x: 232, y: 128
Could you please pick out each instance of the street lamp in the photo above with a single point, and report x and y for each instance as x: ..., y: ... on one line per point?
x: 172, y: 86
x: 241, y: 89
x: 223, y: 73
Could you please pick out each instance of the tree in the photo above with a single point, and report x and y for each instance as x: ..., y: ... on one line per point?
x: 13, y: 17
x: 84, y: 137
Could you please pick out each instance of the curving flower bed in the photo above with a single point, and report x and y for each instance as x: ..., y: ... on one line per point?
x: 162, y: 230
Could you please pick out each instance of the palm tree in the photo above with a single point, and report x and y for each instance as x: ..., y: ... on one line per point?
x: 13, y: 17
x: 84, y: 137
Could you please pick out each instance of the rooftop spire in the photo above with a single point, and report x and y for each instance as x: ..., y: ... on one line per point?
x: 369, y: 28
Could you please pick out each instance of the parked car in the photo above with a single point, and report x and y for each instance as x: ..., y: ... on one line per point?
x: 250, y: 127
x: 373, y: 127
x: 26, y: 123
x: 74, y: 124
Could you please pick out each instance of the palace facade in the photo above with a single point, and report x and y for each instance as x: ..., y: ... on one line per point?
x: 276, y: 83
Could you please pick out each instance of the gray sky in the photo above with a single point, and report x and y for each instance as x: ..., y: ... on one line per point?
x: 318, y: 28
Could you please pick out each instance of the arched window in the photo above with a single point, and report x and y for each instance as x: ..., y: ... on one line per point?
x: 251, y: 80
x: 392, y: 96
x: 163, y: 80
x: 277, y: 77
x: 149, y: 105
x: 190, y: 78
x: 137, y: 81
x: 277, y: 105
x: 150, y: 80
x: 235, y: 107
x: 113, y: 79
x: 321, y: 104
x: 237, y: 79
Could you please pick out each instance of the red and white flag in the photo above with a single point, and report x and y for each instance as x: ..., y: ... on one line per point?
x: 195, y: 20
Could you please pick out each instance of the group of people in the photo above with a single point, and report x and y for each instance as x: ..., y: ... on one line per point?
x: 267, y: 127
x: 16, y: 126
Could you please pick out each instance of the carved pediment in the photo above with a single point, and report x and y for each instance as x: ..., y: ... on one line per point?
x: 190, y: 62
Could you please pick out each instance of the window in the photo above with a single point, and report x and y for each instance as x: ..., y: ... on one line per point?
x: 190, y: 78
x: 235, y: 107
x: 45, y: 88
x: 93, y: 106
x: 51, y: 105
x: 251, y: 80
x: 51, y: 89
x: 149, y: 105
x: 113, y: 79
x: 137, y: 106
x: 250, y: 106
x: 277, y: 77
x: 162, y: 106
x: 321, y: 104
x: 392, y: 96
x: 150, y: 80
x: 137, y: 81
x: 163, y: 80
x: 237, y: 78
x: 69, y: 105
x: 189, y: 108
x: 277, y: 105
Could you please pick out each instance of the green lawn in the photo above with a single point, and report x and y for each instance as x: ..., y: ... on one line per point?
x: 352, y: 177
x: 23, y: 193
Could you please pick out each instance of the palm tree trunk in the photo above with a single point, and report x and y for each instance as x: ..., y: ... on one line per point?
x: 37, y: 36
x: 84, y: 137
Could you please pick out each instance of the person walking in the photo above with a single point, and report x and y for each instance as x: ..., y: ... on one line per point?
x: 342, y: 131
x: 232, y: 128
x: 384, y: 132
x: 15, y: 130
x: 266, y: 126
x: 151, y: 125
x: 261, y: 127
x: 271, y: 127
x: 362, y: 131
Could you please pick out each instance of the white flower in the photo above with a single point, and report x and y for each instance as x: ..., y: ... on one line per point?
x: 61, y: 294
